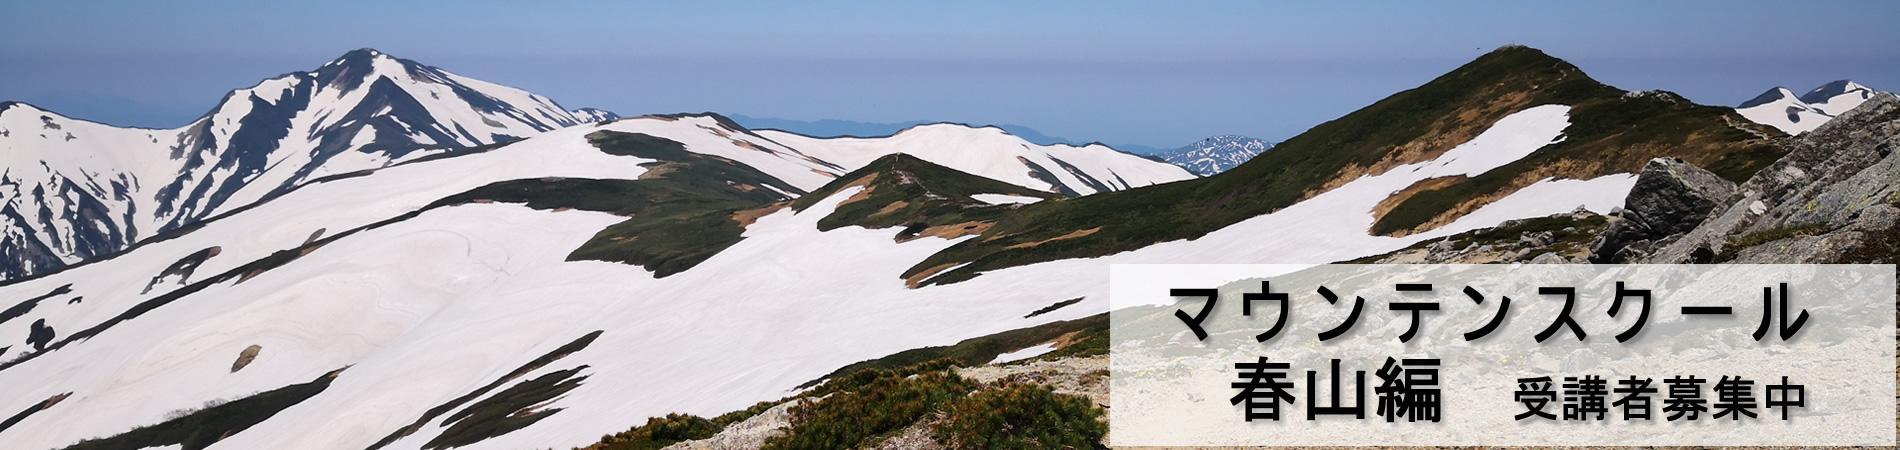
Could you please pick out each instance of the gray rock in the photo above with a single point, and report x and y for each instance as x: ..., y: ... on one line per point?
x: 1580, y: 361
x: 1549, y: 258
x: 1670, y: 197
x: 1836, y: 191
x: 1537, y: 239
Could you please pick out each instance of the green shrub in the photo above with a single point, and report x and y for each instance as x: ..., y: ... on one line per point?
x: 981, y: 350
x: 880, y: 403
x: 1021, y: 416
x: 741, y: 415
x: 658, y: 432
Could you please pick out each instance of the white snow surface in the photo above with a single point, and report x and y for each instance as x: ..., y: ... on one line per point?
x: 1004, y: 199
x: 1023, y: 354
x: 432, y: 307
x: 993, y: 153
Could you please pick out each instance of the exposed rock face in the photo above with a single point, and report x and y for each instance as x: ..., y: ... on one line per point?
x: 1831, y: 199
x: 1670, y: 198
x: 245, y: 357
x: 1555, y: 239
x: 749, y: 433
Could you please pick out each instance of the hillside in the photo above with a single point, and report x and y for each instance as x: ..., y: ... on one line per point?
x: 1609, y: 132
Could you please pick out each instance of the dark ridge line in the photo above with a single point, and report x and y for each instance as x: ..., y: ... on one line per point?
x: 30, y: 410
x: 735, y: 126
x: 1055, y: 306
x: 537, y: 363
x: 27, y: 305
x: 226, y: 419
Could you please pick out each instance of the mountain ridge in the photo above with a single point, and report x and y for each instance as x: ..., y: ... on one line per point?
x: 363, y: 110
x: 1779, y: 107
x: 1411, y: 126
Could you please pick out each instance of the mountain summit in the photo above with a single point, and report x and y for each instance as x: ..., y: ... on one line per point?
x: 75, y: 190
x: 1780, y: 108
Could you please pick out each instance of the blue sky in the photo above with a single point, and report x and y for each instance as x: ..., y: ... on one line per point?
x: 1149, y: 73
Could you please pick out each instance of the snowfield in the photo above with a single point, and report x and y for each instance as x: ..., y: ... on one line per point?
x: 432, y: 307
x: 992, y: 153
x: 1004, y: 199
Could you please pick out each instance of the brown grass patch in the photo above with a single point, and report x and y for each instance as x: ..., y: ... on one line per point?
x: 953, y: 231
x: 891, y: 208
x: 245, y: 357
x: 1393, y: 201
x: 926, y: 273
x: 1071, y: 235
x: 1564, y: 169
x: 864, y: 182
x: 659, y: 170
x: 1067, y: 339
x: 748, y: 146
x: 746, y: 217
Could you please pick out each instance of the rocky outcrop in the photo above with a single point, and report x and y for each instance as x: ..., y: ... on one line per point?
x: 749, y: 433
x: 1670, y: 197
x: 1834, y: 198
x: 1554, y: 239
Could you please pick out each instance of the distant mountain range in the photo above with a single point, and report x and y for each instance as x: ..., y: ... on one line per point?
x: 1216, y: 154
x: 75, y: 190
x: 1206, y: 157
x: 829, y: 128
x: 1780, y: 108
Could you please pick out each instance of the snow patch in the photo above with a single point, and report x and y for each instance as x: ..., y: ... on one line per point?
x: 1004, y: 199
x: 1024, y: 353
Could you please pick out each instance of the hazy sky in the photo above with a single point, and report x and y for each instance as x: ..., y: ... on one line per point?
x: 1148, y: 73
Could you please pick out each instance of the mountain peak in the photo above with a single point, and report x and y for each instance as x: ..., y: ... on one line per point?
x: 1780, y: 108
x: 361, y: 54
x: 1770, y: 96
x: 359, y: 66
x: 1834, y: 89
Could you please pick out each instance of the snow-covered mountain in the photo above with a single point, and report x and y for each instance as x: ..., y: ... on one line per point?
x: 75, y: 190
x: 424, y: 308
x: 1780, y: 108
x: 1216, y: 154
x: 440, y: 303
x: 992, y: 153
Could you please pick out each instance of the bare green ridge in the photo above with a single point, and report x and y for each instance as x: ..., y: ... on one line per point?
x: 1610, y: 133
x: 906, y: 191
